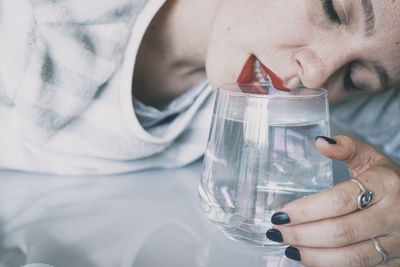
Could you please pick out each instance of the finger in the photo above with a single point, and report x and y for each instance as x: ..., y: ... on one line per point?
x: 335, y: 232
x: 358, y: 156
x: 391, y: 263
x: 360, y: 254
x: 339, y: 200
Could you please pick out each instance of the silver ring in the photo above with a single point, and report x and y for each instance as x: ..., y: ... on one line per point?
x: 365, y: 198
x: 381, y: 251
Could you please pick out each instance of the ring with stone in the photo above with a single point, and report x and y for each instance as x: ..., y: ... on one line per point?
x: 365, y: 198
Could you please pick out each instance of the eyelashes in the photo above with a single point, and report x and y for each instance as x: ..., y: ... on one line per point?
x: 330, y: 11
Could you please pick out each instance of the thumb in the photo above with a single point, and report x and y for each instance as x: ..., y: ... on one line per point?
x: 358, y: 156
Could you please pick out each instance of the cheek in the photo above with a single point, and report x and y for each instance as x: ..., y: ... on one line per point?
x: 232, y: 41
x: 216, y: 72
x: 227, y: 50
x: 224, y: 65
x: 267, y: 28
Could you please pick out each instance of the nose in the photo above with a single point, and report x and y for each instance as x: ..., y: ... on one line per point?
x: 310, y: 68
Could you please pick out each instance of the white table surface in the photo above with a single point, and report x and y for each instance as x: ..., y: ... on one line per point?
x: 150, y: 218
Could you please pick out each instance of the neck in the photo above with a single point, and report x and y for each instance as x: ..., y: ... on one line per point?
x: 171, y: 58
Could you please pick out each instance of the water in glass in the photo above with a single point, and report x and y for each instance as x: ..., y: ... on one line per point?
x: 255, y: 164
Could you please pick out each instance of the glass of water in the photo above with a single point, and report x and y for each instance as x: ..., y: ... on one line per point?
x: 261, y: 155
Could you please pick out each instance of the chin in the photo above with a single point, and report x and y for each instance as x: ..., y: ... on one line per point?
x: 220, y: 71
x: 217, y: 78
x: 215, y: 83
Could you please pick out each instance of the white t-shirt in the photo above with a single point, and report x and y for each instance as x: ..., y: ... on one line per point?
x: 66, y: 102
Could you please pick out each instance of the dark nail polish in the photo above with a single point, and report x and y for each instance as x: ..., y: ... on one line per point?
x: 327, y: 139
x: 274, y: 235
x: 280, y: 218
x: 293, y: 253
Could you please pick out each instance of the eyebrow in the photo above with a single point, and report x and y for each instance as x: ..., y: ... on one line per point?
x: 369, y: 17
x: 369, y: 25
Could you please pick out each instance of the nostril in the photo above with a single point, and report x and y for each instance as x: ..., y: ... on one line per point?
x: 293, y: 82
x: 300, y: 67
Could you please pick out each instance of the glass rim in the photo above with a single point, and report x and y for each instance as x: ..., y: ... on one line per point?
x: 223, y: 88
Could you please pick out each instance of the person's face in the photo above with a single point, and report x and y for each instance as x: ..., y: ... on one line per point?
x: 335, y: 44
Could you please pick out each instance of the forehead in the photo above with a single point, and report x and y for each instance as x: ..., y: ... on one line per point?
x: 386, y: 12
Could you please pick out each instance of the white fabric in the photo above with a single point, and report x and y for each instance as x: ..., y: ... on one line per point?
x: 141, y: 219
x: 65, y: 91
x: 150, y: 117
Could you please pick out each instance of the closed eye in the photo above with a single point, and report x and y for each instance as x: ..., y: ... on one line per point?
x: 330, y: 11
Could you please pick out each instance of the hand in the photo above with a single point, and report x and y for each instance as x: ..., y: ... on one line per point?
x: 328, y: 229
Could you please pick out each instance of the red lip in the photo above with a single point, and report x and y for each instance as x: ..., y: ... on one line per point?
x: 247, y: 76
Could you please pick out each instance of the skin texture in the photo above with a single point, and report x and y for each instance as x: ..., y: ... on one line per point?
x: 297, y: 41
x: 172, y: 55
x: 327, y: 228
x: 190, y: 39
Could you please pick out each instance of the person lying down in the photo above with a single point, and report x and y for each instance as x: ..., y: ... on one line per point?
x: 106, y: 87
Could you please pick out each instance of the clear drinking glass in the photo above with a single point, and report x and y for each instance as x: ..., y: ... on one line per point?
x: 261, y: 155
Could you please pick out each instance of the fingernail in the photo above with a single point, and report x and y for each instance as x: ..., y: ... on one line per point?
x: 274, y: 235
x: 327, y: 139
x: 280, y: 218
x: 293, y: 253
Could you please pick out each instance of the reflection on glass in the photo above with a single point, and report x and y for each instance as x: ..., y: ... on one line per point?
x: 260, y: 156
